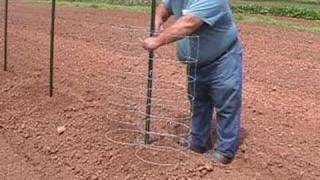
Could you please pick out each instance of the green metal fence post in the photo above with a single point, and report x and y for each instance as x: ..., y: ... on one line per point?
x: 150, y: 77
x: 53, y: 14
x: 5, y: 36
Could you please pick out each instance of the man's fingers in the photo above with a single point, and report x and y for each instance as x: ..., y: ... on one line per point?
x: 150, y: 44
x: 146, y: 46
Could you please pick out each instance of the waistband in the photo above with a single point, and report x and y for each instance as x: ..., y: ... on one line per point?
x: 221, y: 55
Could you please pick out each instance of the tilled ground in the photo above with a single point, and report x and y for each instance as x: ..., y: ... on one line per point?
x: 100, y: 84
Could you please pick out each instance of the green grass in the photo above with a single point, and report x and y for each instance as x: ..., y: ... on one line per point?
x: 269, y: 20
x: 240, y: 17
x: 305, y: 9
x: 278, y: 11
x: 303, y: 4
x: 310, y: 2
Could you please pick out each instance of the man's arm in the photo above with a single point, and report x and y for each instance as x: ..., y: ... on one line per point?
x: 184, y: 26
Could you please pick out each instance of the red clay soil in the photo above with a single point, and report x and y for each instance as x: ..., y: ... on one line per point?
x: 100, y: 86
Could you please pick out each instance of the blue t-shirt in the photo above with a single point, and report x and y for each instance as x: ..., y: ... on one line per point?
x: 215, y: 36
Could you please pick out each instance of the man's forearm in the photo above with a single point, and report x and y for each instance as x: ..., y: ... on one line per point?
x: 185, y: 26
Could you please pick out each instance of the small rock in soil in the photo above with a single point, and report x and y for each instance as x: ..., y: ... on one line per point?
x: 205, y: 169
x: 54, y: 157
x: 243, y: 148
x: 26, y: 136
x: 228, y: 171
x: 77, y: 171
x: 68, y: 116
x: 127, y: 177
x: 61, y: 129
x: 209, y: 167
x: 246, y: 157
x: 94, y: 177
x: 183, y: 178
x: 52, y: 151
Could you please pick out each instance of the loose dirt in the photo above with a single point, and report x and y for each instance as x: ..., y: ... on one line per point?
x: 100, y: 86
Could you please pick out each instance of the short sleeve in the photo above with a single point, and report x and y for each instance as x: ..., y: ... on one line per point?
x: 167, y: 4
x: 209, y: 11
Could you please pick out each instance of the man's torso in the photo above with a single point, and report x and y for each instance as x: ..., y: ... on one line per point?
x: 213, y: 40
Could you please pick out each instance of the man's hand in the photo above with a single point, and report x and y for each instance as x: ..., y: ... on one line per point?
x: 184, y: 26
x: 162, y: 15
x: 151, y: 44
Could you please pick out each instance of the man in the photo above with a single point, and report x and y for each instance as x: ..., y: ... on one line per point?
x: 218, y: 73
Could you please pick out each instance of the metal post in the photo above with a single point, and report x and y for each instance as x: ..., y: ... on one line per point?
x: 53, y: 9
x: 5, y: 35
x: 150, y: 76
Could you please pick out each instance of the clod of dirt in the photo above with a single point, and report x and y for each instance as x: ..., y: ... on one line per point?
x: 243, y: 148
x: 76, y: 156
x: 94, y: 177
x: 183, y: 178
x: 228, y: 171
x: 128, y: 177
x: 51, y: 150
x: 61, y: 129
x: 7, y: 89
x: 205, y: 169
x: 209, y: 167
x: 246, y: 157
x: 71, y: 109
x: 77, y: 171
x: 260, y: 113
x: 26, y: 136
x: 68, y: 116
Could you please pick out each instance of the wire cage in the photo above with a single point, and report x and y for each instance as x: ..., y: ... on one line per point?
x: 172, y: 99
